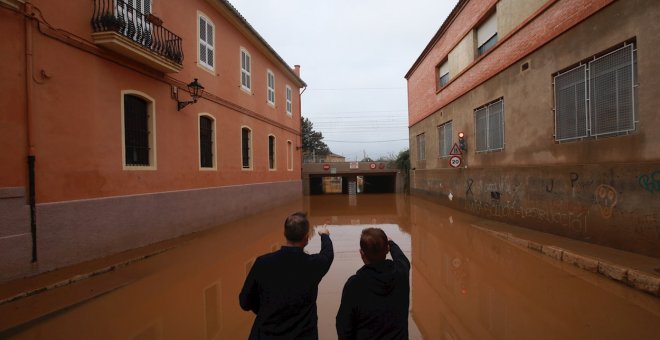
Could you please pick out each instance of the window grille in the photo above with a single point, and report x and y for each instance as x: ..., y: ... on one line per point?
x: 206, y: 142
x: 246, y: 141
x: 596, y: 98
x: 421, y: 147
x: 289, y: 155
x: 271, y: 152
x: 489, y: 122
x: 445, y: 139
x: 245, y: 70
x: 206, y: 44
x: 136, y: 131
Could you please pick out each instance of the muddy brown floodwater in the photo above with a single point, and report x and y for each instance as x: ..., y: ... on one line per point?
x: 465, y: 283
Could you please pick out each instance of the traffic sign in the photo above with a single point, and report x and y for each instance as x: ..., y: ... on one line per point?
x: 372, y: 166
x: 455, y: 150
x: 326, y: 166
x: 455, y: 161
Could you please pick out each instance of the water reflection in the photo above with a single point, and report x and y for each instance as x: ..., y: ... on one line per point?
x: 466, y: 284
x: 470, y: 285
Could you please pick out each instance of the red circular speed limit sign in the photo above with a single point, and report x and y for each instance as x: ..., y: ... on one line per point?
x: 372, y: 166
x: 455, y: 161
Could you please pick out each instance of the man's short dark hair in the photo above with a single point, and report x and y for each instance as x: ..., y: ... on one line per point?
x: 373, y: 243
x: 296, y: 227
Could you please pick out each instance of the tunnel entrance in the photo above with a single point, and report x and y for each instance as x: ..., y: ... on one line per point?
x: 361, y: 184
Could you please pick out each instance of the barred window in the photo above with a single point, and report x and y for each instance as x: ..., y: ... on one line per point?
x: 206, y: 42
x: 246, y: 67
x: 137, y: 132
x: 445, y: 139
x: 206, y: 142
x: 489, y: 122
x: 271, y: 152
x: 597, y: 98
x: 289, y: 155
x: 421, y: 147
x: 246, y: 146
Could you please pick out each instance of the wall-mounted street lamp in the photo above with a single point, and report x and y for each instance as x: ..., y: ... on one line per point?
x: 195, y: 89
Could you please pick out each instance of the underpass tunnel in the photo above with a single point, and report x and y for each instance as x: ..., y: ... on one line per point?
x: 356, y: 184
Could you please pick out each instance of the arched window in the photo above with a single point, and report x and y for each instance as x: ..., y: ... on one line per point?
x: 271, y: 152
x: 138, y: 131
x: 206, y: 142
x: 246, y: 147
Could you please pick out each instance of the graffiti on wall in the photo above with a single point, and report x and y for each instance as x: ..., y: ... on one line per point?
x: 650, y: 182
x: 606, y: 198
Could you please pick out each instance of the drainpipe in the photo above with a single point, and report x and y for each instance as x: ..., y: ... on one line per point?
x: 31, y: 158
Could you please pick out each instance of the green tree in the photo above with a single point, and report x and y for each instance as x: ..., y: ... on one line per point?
x: 312, y: 141
x: 403, y: 164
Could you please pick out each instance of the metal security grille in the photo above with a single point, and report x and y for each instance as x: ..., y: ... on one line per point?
x: 206, y: 142
x: 271, y: 152
x: 421, y: 147
x: 245, y: 137
x: 136, y: 131
x: 489, y: 122
x: 571, y: 104
x: 444, y: 139
x: 611, y: 92
x: 596, y: 98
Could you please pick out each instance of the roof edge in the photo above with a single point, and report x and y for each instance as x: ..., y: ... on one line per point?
x: 443, y: 28
x: 241, y: 19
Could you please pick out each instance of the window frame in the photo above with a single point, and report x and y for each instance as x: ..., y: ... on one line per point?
x: 270, y: 88
x: 442, y: 78
x: 421, y: 146
x: 214, y: 157
x: 246, y: 70
x: 151, y: 125
x: 489, y: 128
x: 272, y: 152
x: 204, y: 64
x: 586, y: 67
x: 442, y: 139
x: 249, y: 152
x: 487, y: 45
x: 289, y: 156
x: 289, y: 101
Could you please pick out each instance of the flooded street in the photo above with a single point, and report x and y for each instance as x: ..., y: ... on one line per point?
x: 466, y: 283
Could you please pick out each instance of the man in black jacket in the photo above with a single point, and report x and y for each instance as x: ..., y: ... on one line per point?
x: 282, y: 287
x: 374, y: 303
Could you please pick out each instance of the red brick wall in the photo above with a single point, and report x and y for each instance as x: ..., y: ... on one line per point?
x: 551, y: 20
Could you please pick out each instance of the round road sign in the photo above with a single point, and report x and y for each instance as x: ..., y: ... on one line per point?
x: 326, y: 166
x: 372, y: 166
x: 455, y: 161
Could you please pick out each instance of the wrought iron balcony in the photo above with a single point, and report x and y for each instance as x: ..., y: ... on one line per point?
x: 126, y: 30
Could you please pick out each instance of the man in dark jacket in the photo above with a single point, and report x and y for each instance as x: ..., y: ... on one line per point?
x: 374, y: 303
x: 282, y: 287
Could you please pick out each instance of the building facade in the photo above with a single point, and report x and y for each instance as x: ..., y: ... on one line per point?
x: 105, y: 144
x: 557, y: 105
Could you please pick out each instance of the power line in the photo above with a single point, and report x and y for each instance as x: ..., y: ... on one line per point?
x: 357, y: 88
x: 361, y: 141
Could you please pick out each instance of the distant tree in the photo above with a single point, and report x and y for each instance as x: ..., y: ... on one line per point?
x: 367, y: 159
x: 403, y: 164
x: 312, y: 141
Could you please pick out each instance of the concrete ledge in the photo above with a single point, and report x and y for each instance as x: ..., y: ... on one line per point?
x: 12, y: 192
x: 639, y: 280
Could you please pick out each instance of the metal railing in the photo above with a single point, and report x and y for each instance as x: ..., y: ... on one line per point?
x: 144, y: 29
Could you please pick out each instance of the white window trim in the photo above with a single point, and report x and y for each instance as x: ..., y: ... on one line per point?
x: 289, y: 101
x: 199, y: 145
x: 269, y: 89
x: 274, y: 168
x: 200, y: 63
x: 151, y: 111
x: 248, y: 72
x: 251, y: 151
x: 289, y: 159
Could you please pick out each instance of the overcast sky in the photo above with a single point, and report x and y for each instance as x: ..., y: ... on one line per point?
x: 353, y: 55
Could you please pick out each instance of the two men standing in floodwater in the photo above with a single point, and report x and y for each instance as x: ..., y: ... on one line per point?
x: 281, y: 288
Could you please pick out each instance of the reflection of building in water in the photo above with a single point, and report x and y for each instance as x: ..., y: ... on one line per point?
x: 467, y: 284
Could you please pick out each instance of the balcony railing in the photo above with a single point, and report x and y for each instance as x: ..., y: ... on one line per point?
x: 144, y: 30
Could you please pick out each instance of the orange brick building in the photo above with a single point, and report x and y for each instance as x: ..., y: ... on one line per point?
x: 557, y: 102
x: 98, y: 156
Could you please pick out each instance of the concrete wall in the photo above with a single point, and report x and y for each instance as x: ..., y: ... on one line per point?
x: 601, y: 190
